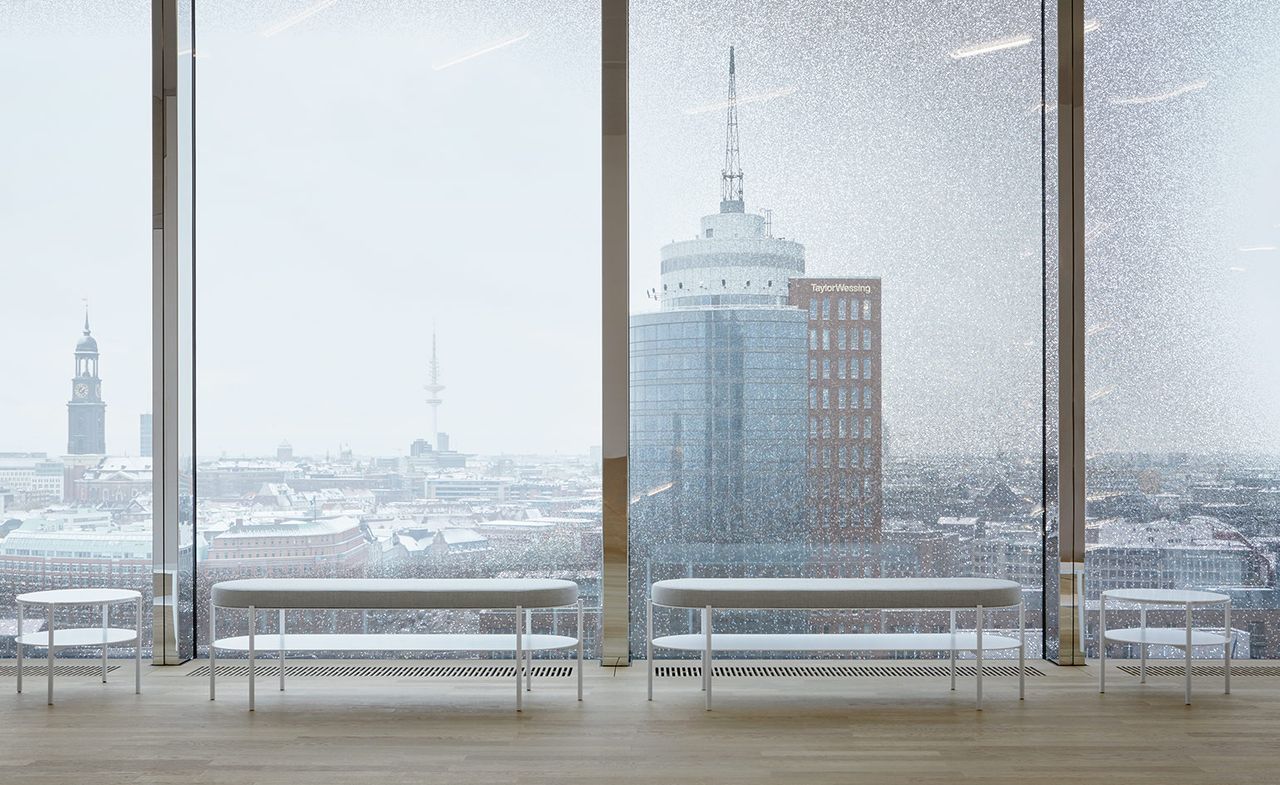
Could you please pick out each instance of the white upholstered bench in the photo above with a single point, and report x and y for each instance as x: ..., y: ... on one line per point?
x: 953, y: 594
x: 520, y: 595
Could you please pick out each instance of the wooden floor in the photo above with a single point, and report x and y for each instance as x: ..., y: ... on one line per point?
x: 352, y: 731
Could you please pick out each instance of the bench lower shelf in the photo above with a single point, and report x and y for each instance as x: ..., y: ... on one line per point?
x: 943, y: 641
x: 269, y: 642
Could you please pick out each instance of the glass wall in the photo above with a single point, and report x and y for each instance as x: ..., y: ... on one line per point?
x: 75, y: 304
x: 1183, y: 275
x: 398, y: 324
x: 838, y: 278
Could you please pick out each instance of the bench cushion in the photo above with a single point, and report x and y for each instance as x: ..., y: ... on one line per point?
x: 836, y: 593
x: 389, y: 593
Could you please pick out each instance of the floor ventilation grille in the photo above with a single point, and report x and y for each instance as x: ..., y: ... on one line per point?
x: 387, y: 671
x: 839, y: 671
x: 32, y: 671
x: 1203, y: 670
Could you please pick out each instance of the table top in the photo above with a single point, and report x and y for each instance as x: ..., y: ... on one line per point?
x: 77, y: 596
x: 1166, y: 596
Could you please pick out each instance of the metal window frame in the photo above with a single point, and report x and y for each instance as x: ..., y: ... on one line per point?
x: 1071, y: 334
x: 615, y: 305
x: 164, y: 330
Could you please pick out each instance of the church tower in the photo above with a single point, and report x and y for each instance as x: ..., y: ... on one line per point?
x: 86, y: 412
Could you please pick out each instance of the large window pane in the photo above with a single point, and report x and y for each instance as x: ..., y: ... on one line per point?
x: 398, y: 286
x: 1183, y: 275
x: 75, y: 285
x: 837, y: 361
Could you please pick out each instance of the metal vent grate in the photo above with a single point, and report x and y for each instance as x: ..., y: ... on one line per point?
x: 58, y: 670
x: 387, y: 671
x: 1203, y: 670
x: 839, y: 671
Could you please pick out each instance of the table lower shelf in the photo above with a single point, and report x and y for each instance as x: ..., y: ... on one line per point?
x: 943, y: 641
x: 396, y: 642
x: 1166, y: 636
x: 84, y: 636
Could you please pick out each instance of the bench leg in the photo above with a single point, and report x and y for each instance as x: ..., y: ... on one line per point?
x: 581, y: 634
x: 528, y: 652
x: 1226, y: 650
x: 50, y: 689
x: 1022, y: 651
x: 282, y: 649
x: 253, y: 622
x: 18, y: 646
x: 519, y: 658
x: 707, y: 667
x: 1142, y: 613
x: 648, y: 638
x: 105, y: 619
x: 1102, y: 644
x: 213, y: 657
x: 979, y: 631
x: 137, y: 654
x: 1188, y: 667
x: 953, y: 651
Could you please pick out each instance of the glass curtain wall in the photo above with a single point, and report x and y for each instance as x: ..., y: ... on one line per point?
x: 75, y: 321
x: 838, y: 292
x: 398, y: 345
x: 1182, y: 278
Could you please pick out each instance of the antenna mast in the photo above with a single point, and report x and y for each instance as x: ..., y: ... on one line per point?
x: 434, y: 388
x: 731, y: 175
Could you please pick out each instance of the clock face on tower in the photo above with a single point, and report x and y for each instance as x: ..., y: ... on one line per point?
x: 81, y: 391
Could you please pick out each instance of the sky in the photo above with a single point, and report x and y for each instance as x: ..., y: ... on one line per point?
x: 369, y: 171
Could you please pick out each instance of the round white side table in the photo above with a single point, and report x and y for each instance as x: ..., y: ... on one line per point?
x: 1184, y: 638
x: 75, y: 637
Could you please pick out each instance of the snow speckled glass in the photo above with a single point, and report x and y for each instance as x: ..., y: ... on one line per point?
x: 900, y: 144
x: 398, y: 203
x: 1182, y: 209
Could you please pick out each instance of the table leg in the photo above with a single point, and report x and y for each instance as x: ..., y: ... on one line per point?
x: 648, y: 641
x: 1142, y: 614
x: 581, y: 646
x: 213, y: 656
x: 1102, y: 645
x: 137, y: 652
x: 979, y: 631
x: 707, y: 656
x: 253, y: 623
x: 1188, y: 668
x: 104, y: 643
x: 528, y: 651
x: 953, y: 650
x: 281, y: 655
x: 519, y: 658
x: 1022, y: 651
x: 50, y: 679
x: 1226, y: 649
x: 21, y: 624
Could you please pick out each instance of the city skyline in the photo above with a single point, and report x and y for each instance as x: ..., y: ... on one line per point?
x: 963, y: 308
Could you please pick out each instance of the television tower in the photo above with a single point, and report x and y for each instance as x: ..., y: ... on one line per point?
x: 433, y: 389
x: 731, y: 175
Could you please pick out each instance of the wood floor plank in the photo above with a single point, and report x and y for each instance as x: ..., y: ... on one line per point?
x: 803, y: 730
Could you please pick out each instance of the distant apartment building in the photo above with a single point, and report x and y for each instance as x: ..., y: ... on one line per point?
x: 32, y: 479
x: 1199, y: 553
x: 493, y: 489
x: 282, y: 548
x: 35, y: 556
